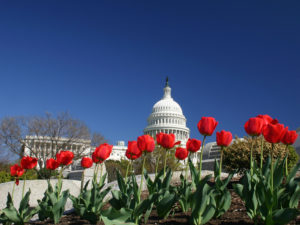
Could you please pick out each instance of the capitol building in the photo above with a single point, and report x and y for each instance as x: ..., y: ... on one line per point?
x: 167, y: 117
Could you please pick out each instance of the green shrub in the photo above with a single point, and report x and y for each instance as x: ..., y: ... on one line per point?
x: 111, y: 167
x: 46, y: 174
x: 237, y: 155
x: 5, y: 177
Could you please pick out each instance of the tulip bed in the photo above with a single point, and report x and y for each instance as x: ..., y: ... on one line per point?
x: 268, y: 193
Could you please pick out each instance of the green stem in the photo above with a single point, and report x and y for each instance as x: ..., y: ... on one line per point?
x: 13, y: 190
x: 24, y: 184
x: 96, y: 173
x: 82, y: 180
x: 221, y: 158
x: 251, y: 157
x: 156, y: 167
x: 101, y: 170
x: 141, y: 185
x: 201, y: 156
x: 261, y: 154
x: 272, y: 168
x: 187, y: 166
x: 94, y: 177
x: 127, y: 172
x: 60, y: 182
x: 286, y: 161
x: 131, y: 168
x: 165, y: 163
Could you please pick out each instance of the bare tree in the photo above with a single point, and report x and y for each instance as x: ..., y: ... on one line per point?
x: 97, y: 139
x: 44, y: 136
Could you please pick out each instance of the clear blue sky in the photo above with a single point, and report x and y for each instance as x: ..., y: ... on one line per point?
x: 105, y: 61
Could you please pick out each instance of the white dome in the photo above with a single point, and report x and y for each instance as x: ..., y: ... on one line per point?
x: 167, y: 117
x: 167, y: 105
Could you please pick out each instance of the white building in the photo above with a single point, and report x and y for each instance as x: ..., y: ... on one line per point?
x: 167, y: 117
x: 46, y: 147
x: 118, y: 151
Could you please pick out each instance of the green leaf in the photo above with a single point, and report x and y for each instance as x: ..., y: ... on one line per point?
x: 116, y: 217
x: 102, y: 180
x: 167, y: 180
x: 59, y: 206
x: 115, y: 201
x: 266, y: 167
x: 121, y: 182
x: 216, y: 169
x: 165, y: 205
x: 293, y: 172
x: 278, y: 173
x: 9, y: 201
x: 208, y: 213
x: 24, y: 202
x: 294, y: 201
x: 12, y: 214
x: 283, y: 216
x: 194, y: 173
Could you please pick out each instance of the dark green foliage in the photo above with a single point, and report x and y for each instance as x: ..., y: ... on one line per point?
x: 221, y: 193
x: 46, y: 174
x: 53, y: 203
x: 272, y: 205
x: 203, y: 203
x: 184, y: 193
x: 112, y: 166
x: 5, y: 177
x: 127, y: 200
x: 89, y: 204
x: 19, y: 217
x: 237, y: 155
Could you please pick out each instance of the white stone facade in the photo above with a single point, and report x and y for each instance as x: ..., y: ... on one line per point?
x: 118, y: 151
x: 46, y: 147
x: 167, y: 117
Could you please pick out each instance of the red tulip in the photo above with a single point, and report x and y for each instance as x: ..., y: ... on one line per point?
x: 181, y: 153
x: 207, y: 125
x: 86, y: 162
x: 146, y: 143
x: 133, y: 152
x: 167, y: 140
x: 193, y: 145
x: 274, y: 121
x: 159, y: 137
x: 254, y: 126
x: 52, y: 164
x: 16, y: 171
x: 273, y: 132
x: 64, y: 157
x: 17, y: 181
x: 266, y: 118
x: 289, y: 137
x: 28, y: 162
x: 101, y: 153
x: 224, y: 138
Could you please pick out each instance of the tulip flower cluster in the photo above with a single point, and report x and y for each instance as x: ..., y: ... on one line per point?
x: 195, y: 195
x: 16, y: 171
